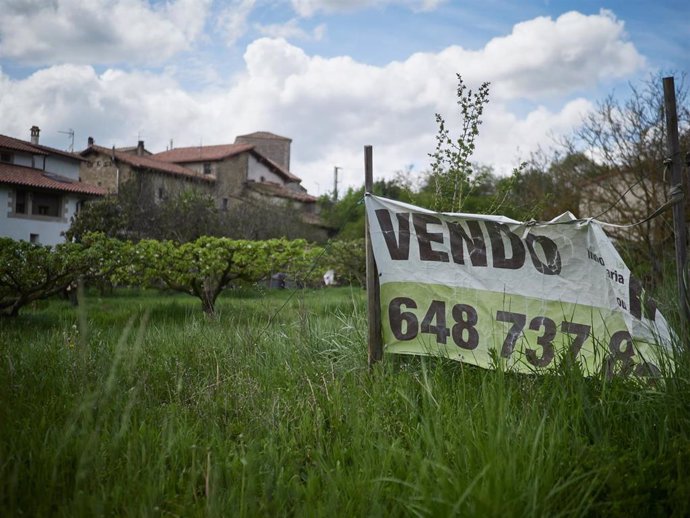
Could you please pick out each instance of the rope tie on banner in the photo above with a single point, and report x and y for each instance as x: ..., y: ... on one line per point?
x: 676, y: 195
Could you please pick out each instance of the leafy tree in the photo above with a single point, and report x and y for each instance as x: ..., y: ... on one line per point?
x: 548, y: 186
x: 346, y: 215
x: 253, y: 219
x: 452, y: 169
x: 105, y: 215
x: 347, y: 259
x: 627, y: 137
x: 30, y: 272
x: 202, y: 268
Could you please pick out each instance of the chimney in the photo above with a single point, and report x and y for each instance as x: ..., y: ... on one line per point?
x: 90, y: 141
x: 140, y: 148
x: 34, y: 135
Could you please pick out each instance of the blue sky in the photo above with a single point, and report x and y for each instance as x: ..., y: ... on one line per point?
x: 332, y: 75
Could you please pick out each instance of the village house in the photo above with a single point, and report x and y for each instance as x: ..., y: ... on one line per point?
x: 256, y: 167
x: 40, y: 190
x: 155, y: 180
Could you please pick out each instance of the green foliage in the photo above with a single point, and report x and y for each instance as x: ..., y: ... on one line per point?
x: 105, y: 215
x: 30, y: 272
x: 202, y: 268
x: 347, y: 214
x: 452, y: 170
x: 133, y: 215
x: 348, y: 260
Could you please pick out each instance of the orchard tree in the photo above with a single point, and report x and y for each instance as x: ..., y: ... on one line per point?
x: 30, y: 272
x: 205, y: 267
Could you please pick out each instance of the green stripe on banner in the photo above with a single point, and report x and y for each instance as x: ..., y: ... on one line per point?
x: 523, y: 334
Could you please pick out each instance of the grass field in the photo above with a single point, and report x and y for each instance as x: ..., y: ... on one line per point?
x: 136, y: 404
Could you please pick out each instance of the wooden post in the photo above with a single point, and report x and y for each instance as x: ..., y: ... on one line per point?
x: 373, y: 292
x: 673, y: 149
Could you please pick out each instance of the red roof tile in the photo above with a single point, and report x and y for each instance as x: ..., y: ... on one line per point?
x: 20, y: 175
x: 274, y: 189
x: 19, y: 145
x: 149, y: 162
x: 183, y: 155
x: 36, y: 149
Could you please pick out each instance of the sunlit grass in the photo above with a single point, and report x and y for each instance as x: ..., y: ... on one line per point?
x: 138, y: 404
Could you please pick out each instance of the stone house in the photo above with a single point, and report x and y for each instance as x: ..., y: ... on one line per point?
x: 156, y: 180
x: 255, y: 167
x: 40, y: 190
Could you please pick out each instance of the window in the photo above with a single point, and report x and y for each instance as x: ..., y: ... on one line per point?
x: 33, y: 238
x: 45, y: 204
x: 20, y: 202
x: 6, y: 156
x: 225, y: 204
x: 207, y: 168
x: 160, y: 193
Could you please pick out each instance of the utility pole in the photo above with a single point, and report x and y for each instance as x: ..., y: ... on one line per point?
x: 677, y: 183
x: 335, y: 182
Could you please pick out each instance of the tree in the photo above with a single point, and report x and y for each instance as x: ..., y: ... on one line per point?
x: 30, y: 272
x: 346, y: 216
x: 627, y: 139
x: 452, y: 170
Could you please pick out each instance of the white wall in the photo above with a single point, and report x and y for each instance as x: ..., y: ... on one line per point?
x: 61, y: 165
x: 25, y: 160
x: 257, y: 170
x: 21, y: 228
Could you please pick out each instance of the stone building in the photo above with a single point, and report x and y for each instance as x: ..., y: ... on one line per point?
x: 111, y: 168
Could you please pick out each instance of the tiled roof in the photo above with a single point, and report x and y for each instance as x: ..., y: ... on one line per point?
x: 183, y: 155
x: 19, y: 145
x: 277, y: 190
x: 35, y: 149
x: 264, y: 134
x: 20, y: 175
x: 149, y: 162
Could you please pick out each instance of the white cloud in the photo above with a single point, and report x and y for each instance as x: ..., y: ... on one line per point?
x: 310, y: 7
x: 233, y: 19
x: 331, y: 107
x: 99, y: 31
x: 291, y: 30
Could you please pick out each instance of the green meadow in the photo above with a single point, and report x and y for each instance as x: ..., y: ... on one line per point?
x: 136, y: 404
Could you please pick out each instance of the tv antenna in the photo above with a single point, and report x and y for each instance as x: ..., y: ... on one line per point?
x: 69, y: 132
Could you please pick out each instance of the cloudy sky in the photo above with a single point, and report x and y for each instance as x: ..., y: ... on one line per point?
x: 332, y: 75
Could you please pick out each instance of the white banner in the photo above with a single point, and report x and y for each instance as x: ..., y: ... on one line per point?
x: 488, y: 289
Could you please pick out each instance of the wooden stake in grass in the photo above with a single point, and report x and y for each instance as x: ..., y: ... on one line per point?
x: 373, y: 293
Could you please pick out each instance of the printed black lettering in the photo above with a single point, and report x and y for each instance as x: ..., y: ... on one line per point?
x: 595, y: 257
x: 552, y: 266
x: 498, y: 251
x: 425, y: 238
x: 476, y: 245
x: 398, y: 248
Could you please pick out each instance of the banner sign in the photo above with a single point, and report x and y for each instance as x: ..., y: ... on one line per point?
x: 487, y: 290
